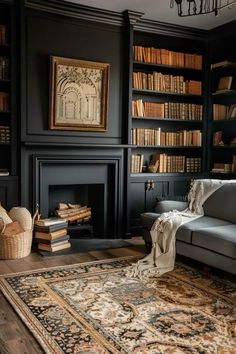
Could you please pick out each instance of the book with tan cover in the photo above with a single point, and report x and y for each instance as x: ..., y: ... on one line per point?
x: 50, y: 235
x: 225, y: 83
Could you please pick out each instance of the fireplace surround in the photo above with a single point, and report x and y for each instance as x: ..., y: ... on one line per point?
x: 91, y: 180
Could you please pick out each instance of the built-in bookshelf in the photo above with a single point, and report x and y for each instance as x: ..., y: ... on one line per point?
x: 7, y: 96
x: 8, y: 137
x: 5, y: 91
x: 167, y: 107
x: 223, y: 117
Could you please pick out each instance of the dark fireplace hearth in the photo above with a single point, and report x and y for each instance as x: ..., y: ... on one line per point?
x: 91, y: 195
x: 89, y: 181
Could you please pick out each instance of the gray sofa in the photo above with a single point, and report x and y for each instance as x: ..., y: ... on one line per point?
x: 210, y: 239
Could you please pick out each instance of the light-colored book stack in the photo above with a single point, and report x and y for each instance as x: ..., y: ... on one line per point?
x: 51, y: 234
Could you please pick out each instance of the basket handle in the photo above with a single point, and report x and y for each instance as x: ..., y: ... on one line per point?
x: 36, y: 215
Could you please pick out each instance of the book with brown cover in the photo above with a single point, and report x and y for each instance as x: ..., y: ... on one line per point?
x: 53, y: 248
x: 50, y: 235
x: 225, y: 83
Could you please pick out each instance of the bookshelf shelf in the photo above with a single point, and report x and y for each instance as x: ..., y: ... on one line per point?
x: 163, y: 93
x: 140, y: 64
x: 223, y: 121
x: 167, y: 120
x: 146, y: 175
x: 224, y: 93
x: 166, y: 147
x: 223, y: 65
x: 226, y: 146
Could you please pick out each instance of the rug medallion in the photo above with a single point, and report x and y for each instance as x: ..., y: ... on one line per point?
x: 94, y: 308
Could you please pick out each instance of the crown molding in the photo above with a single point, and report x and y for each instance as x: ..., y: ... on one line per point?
x: 77, y: 11
x: 169, y: 29
x: 133, y: 16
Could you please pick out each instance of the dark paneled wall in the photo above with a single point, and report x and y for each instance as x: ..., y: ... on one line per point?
x: 55, y: 35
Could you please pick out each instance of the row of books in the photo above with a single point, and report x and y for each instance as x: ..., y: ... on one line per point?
x: 4, y: 101
x: 174, y: 110
x: 51, y: 234
x: 163, y: 163
x: 4, y: 134
x: 4, y: 68
x: 170, y: 163
x: 136, y: 163
x: 193, y: 164
x: 156, y: 137
x: 166, y: 83
x: 225, y: 167
x: 221, y: 111
x: 167, y: 57
x: 3, y: 34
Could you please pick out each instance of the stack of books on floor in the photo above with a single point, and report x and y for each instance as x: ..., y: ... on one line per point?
x: 51, y: 234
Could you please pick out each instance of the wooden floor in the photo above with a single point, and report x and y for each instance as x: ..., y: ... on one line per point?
x: 15, y: 338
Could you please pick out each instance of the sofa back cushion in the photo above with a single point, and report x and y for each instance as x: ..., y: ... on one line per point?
x: 222, y: 203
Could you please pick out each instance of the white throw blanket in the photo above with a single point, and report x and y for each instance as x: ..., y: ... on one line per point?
x: 162, y: 256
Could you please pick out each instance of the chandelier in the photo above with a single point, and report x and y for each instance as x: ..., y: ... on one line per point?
x: 200, y: 7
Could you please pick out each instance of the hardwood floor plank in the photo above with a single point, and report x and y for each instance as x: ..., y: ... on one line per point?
x: 14, y: 335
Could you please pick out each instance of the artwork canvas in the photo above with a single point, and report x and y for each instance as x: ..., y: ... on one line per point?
x: 78, y: 95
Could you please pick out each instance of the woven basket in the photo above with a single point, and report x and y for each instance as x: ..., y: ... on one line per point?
x: 19, y: 245
x: 16, y: 246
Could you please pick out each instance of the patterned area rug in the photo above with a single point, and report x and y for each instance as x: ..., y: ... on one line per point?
x: 93, y: 308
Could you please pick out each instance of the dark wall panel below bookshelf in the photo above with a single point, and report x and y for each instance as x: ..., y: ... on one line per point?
x: 9, y: 192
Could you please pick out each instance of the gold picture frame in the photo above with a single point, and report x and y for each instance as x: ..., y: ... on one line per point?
x: 78, y: 94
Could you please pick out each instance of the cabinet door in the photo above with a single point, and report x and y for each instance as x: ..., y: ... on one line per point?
x: 8, y: 192
x: 144, y: 195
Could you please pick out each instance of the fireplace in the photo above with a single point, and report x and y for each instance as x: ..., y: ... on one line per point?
x: 85, y: 180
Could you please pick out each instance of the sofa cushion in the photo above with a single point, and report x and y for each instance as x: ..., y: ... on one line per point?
x: 147, y: 219
x: 184, y: 232
x: 221, y: 239
x: 221, y: 204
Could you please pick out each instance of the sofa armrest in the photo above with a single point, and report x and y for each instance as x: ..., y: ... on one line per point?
x: 164, y: 206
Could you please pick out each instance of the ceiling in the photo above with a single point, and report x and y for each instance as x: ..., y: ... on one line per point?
x: 159, y: 10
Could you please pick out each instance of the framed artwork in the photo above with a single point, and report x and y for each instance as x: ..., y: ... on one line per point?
x: 78, y: 94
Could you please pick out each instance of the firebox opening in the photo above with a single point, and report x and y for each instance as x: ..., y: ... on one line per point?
x: 91, y: 195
